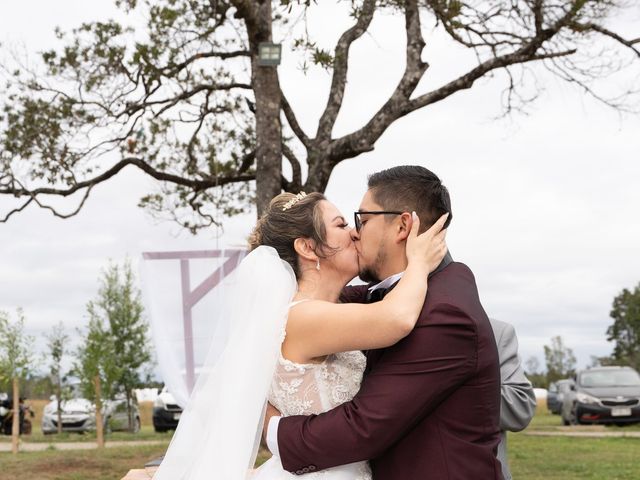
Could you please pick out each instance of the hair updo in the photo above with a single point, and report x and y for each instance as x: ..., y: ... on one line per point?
x: 279, y: 228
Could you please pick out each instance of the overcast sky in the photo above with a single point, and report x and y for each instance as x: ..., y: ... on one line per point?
x: 545, y: 205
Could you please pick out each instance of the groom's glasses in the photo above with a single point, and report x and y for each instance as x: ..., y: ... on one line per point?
x: 358, y: 221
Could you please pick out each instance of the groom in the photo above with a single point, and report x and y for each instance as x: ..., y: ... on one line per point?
x: 429, y: 406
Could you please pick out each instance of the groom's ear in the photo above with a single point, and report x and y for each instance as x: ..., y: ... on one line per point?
x: 403, y: 227
x: 305, y: 248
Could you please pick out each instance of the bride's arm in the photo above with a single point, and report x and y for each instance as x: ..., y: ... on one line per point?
x: 317, y: 328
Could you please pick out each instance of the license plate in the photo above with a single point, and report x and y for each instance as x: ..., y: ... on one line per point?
x: 620, y: 412
x: 176, y: 416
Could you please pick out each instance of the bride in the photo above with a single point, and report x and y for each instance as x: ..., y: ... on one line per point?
x: 290, y: 339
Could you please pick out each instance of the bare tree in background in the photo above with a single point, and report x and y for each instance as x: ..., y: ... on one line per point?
x: 187, y: 102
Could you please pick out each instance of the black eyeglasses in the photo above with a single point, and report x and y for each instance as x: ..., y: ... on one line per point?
x: 358, y: 222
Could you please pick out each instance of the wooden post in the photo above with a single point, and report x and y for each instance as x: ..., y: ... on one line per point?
x: 99, y: 424
x: 15, y: 428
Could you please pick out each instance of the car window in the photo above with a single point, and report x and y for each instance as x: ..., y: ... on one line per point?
x: 610, y: 378
x: 553, y: 388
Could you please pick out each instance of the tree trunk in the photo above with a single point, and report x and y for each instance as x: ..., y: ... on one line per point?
x: 266, y: 88
x: 129, y: 411
x: 99, y: 424
x: 59, y: 395
x: 15, y: 427
x: 320, y: 168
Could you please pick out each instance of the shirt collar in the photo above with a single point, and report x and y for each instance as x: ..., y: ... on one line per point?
x: 387, y: 282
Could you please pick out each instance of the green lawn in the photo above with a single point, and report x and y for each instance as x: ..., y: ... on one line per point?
x: 567, y: 458
x: 531, y: 457
x: 105, y: 464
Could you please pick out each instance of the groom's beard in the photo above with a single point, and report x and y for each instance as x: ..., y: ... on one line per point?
x: 369, y: 273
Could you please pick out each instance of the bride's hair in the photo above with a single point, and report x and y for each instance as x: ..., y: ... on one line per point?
x: 288, y: 218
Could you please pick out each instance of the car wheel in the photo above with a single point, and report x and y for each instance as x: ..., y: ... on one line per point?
x: 159, y: 429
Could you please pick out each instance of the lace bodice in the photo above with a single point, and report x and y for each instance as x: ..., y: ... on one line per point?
x: 304, y: 389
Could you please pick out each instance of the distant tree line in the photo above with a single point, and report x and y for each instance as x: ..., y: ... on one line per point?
x: 624, y: 332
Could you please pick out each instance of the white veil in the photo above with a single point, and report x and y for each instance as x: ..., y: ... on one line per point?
x: 219, y: 431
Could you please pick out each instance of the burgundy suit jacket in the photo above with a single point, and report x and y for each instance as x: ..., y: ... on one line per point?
x: 428, y: 407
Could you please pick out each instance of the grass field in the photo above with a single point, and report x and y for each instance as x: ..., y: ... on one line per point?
x: 531, y: 457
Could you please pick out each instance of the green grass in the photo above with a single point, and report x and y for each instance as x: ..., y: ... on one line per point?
x: 146, y: 433
x: 105, y: 464
x: 567, y: 458
x: 531, y: 457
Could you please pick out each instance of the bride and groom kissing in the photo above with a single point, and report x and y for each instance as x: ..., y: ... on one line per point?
x: 398, y: 379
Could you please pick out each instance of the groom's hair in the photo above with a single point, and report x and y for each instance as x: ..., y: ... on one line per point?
x: 410, y: 188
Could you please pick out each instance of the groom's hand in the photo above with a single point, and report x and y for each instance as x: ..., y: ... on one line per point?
x: 271, y: 412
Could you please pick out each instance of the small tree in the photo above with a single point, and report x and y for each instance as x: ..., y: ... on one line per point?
x: 57, y: 341
x: 625, y: 330
x: 535, y: 376
x: 119, y: 308
x: 15, y: 363
x: 96, y: 367
x: 561, y: 362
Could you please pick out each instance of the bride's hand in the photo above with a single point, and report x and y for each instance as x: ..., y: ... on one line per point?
x: 430, y: 247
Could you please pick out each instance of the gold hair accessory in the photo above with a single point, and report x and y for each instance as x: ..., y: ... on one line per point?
x: 293, y: 201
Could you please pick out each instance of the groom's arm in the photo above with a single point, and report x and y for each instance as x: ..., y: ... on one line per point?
x: 407, y: 383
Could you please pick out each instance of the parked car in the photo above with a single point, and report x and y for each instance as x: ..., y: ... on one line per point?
x: 6, y: 415
x: 166, y: 412
x: 603, y: 395
x: 79, y: 415
x: 556, y: 393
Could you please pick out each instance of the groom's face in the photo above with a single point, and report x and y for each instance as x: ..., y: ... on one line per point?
x: 371, y: 240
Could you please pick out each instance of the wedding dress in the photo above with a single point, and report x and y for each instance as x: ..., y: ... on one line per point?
x: 220, y: 428
x: 312, y: 388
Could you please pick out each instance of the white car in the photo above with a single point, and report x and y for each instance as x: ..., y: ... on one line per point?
x: 79, y: 415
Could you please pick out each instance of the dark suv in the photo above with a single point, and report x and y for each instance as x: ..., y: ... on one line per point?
x: 603, y: 395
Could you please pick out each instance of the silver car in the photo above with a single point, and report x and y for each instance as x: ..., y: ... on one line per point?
x: 79, y: 415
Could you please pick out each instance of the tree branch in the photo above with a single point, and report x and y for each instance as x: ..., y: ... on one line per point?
x: 171, y: 102
x: 340, y: 66
x: 293, y: 121
x: 171, y: 70
x: 363, y: 139
x: 139, y: 163
x: 296, y: 176
x: 581, y: 27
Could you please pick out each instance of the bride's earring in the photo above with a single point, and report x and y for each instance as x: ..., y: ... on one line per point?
x: 318, y: 265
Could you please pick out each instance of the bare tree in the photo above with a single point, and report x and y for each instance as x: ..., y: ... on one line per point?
x: 191, y: 106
